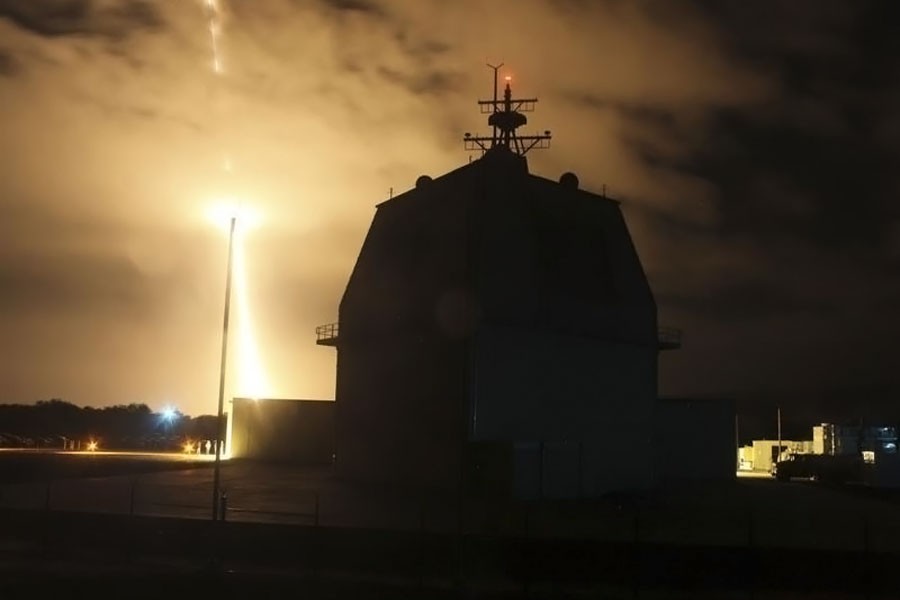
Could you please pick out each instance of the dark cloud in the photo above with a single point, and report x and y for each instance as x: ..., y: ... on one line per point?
x: 753, y: 145
x: 54, y: 18
x: 845, y: 184
x: 749, y: 301
x: 68, y: 284
x: 8, y: 64
x: 809, y: 170
x: 421, y: 49
x: 429, y: 82
x: 356, y: 6
x: 49, y: 18
x: 658, y: 115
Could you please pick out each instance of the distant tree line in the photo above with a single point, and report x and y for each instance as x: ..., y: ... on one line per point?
x: 59, y: 424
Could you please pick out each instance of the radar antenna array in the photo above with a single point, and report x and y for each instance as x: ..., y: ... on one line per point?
x: 505, y: 117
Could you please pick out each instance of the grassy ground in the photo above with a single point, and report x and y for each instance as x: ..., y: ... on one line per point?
x: 747, y: 538
x: 107, y: 553
x: 43, y: 466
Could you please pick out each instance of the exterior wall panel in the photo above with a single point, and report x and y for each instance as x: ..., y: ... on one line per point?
x: 695, y: 440
x: 299, y: 431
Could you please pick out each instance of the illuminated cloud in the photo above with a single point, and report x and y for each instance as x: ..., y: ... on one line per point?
x: 755, y: 175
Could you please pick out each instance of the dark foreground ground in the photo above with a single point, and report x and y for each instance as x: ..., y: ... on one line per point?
x: 93, y: 556
x: 18, y: 466
x: 294, y: 532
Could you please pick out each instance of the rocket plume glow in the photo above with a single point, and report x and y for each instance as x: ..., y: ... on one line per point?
x: 249, y: 379
x: 214, y: 21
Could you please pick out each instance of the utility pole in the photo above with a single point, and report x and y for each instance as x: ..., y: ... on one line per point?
x: 218, y: 463
x: 779, y: 435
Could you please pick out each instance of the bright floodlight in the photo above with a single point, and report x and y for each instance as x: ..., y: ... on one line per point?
x: 221, y: 211
x: 92, y: 446
x: 169, y: 413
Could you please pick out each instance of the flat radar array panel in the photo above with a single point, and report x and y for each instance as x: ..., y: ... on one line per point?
x: 505, y: 117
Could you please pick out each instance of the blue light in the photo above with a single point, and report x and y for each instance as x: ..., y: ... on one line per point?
x: 169, y: 414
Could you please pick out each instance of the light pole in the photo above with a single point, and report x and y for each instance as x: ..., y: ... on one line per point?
x: 218, y: 462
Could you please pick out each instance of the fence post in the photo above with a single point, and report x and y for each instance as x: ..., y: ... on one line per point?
x: 636, y: 552
x: 47, y: 525
x: 750, y: 540
x: 866, y: 541
x: 421, y: 560
x: 526, y: 543
x: 131, y: 528
x: 867, y: 568
x: 541, y: 470
x: 752, y: 553
x: 460, y: 550
x: 223, y: 505
x: 527, y: 520
x: 580, y: 469
x: 316, y: 539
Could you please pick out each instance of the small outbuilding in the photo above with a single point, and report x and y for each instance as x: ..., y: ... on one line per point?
x: 283, y: 430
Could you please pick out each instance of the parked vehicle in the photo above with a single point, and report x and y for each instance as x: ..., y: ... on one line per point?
x: 820, y: 467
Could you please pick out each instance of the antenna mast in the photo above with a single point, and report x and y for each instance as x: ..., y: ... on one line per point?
x: 495, y: 68
x: 506, y: 116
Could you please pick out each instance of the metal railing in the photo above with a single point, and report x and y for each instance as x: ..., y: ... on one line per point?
x: 669, y: 338
x: 328, y: 333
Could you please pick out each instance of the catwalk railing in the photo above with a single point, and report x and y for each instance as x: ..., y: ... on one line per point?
x: 668, y: 338
x: 327, y: 335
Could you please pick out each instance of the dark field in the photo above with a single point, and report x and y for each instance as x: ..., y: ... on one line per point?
x: 35, y: 465
x: 114, y: 518
x: 102, y: 555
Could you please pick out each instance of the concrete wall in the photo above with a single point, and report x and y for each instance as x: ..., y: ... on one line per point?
x: 404, y: 319
x: 400, y: 414
x: 565, y: 353
x: 765, y: 450
x: 884, y: 472
x: 298, y: 431
x: 490, y: 305
x: 819, y: 439
x: 695, y: 439
x: 560, y: 389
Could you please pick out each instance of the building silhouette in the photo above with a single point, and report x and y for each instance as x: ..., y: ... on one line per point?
x: 498, y: 333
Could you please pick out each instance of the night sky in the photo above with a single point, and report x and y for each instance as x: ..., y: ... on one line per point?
x: 754, y: 147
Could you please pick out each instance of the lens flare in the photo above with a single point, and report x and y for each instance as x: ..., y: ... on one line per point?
x: 221, y: 211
